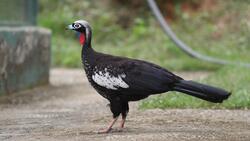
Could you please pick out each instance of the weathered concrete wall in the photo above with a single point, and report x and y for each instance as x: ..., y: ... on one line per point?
x: 24, y: 58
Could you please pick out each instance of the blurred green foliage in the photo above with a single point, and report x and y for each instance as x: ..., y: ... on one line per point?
x: 222, y: 31
x: 138, y: 41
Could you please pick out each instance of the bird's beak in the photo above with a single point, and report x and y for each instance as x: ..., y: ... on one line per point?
x: 70, y: 27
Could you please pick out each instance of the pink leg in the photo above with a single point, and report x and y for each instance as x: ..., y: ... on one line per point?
x: 107, y: 130
x: 122, y: 123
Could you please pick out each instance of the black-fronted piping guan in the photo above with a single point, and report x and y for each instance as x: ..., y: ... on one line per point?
x: 121, y: 79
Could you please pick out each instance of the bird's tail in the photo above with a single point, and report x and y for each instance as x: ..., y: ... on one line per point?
x: 201, y: 91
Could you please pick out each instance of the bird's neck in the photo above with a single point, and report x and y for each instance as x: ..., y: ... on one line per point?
x: 87, y: 51
x: 85, y: 38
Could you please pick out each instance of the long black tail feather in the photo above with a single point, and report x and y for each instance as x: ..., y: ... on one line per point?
x: 205, y: 92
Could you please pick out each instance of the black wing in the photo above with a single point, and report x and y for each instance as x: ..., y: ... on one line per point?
x: 147, y: 78
x: 143, y: 78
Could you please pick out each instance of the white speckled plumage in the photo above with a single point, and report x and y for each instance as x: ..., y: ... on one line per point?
x: 105, y: 79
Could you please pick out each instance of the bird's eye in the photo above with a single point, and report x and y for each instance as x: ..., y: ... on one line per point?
x: 77, y: 25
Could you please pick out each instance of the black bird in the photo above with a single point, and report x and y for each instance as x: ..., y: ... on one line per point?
x: 121, y: 79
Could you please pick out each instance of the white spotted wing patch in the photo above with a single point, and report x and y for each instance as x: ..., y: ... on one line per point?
x: 105, y: 79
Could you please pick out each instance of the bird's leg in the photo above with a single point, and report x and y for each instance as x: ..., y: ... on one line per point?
x: 107, y: 130
x: 124, y: 115
x: 122, y: 122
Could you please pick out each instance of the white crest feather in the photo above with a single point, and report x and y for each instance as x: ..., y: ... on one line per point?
x: 82, y: 22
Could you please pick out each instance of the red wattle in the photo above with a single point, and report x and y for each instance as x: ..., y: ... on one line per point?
x: 82, y: 39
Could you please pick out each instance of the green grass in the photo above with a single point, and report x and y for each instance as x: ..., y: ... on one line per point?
x: 234, y: 79
x: 221, y: 32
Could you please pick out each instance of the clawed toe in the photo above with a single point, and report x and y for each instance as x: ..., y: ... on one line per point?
x: 104, y: 131
x: 111, y: 130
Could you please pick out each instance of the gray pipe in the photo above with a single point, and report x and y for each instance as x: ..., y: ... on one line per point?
x: 182, y: 45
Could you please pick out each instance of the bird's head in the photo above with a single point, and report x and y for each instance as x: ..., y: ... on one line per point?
x: 83, y: 28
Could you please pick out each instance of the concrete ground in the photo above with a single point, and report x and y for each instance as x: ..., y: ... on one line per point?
x: 69, y: 109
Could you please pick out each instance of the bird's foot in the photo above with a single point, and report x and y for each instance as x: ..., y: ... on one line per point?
x: 104, y: 131
x: 107, y: 130
x: 111, y: 130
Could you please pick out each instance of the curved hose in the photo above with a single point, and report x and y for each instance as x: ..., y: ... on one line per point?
x: 182, y: 45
